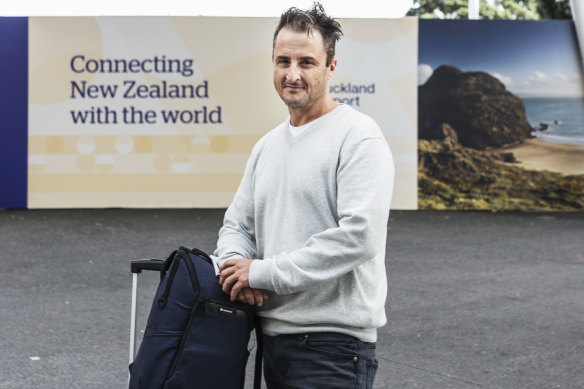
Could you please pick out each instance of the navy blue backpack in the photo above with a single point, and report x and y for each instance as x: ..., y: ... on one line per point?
x: 195, y: 337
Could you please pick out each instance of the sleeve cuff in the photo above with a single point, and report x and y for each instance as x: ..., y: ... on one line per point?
x: 259, y: 275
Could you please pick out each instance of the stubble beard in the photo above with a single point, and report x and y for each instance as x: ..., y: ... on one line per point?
x: 292, y: 102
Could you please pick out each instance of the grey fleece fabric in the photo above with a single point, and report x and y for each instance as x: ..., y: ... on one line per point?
x: 313, y: 211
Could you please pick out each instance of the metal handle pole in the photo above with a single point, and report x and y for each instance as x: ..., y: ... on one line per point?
x: 133, y: 335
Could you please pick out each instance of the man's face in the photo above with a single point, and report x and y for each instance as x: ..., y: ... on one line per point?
x: 300, y: 70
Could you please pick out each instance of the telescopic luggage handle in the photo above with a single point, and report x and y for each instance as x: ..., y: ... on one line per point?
x: 136, y: 268
x: 146, y: 264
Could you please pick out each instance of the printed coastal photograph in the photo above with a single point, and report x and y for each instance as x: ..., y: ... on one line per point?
x: 500, y: 115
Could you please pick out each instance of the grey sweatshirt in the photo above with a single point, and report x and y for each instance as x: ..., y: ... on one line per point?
x: 313, y: 211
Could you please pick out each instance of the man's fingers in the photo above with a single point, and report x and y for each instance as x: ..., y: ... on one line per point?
x: 234, y: 290
x: 249, y: 296
x: 228, y: 268
x: 225, y: 264
x: 241, y: 297
x: 259, y: 296
x: 225, y: 272
x: 234, y: 275
x: 252, y: 296
x: 227, y: 285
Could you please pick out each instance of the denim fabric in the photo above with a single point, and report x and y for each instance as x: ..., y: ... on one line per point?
x: 318, y: 361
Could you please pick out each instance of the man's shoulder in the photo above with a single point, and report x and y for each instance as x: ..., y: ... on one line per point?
x: 356, y: 124
x: 275, y: 132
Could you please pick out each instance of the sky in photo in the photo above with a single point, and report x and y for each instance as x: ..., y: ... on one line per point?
x: 532, y: 58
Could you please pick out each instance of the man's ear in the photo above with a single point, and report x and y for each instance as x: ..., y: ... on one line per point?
x: 331, y: 68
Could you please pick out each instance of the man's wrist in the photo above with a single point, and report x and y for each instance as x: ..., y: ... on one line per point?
x: 259, y: 275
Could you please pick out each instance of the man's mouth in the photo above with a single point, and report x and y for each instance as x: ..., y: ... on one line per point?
x: 294, y: 86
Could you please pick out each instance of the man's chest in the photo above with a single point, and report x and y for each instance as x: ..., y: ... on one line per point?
x: 304, y: 172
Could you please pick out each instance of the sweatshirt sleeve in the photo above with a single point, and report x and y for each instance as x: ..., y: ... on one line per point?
x: 364, y: 188
x: 237, y: 236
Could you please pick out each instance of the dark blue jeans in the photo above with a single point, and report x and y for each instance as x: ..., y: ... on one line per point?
x: 318, y: 361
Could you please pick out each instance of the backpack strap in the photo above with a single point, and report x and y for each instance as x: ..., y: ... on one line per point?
x: 166, y: 265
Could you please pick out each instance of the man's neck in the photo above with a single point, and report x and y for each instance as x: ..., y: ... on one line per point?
x: 302, y: 116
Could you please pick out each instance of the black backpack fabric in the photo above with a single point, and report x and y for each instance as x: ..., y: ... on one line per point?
x: 195, y: 337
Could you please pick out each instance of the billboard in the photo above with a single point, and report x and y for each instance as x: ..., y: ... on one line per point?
x: 164, y: 111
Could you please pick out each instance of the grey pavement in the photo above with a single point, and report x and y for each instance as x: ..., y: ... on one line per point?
x: 476, y: 299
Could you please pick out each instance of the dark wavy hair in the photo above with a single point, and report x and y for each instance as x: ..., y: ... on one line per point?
x: 305, y: 21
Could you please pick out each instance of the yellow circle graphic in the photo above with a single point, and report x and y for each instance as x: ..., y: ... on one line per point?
x: 55, y: 144
x: 143, y: 144
x: 219, y: 144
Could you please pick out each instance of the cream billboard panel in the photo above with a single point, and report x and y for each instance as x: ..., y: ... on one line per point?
x: 164, y: 111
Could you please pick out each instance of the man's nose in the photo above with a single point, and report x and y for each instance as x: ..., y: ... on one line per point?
x: 293, y: 74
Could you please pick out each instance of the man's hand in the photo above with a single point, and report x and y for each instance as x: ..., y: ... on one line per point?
x: 234, y: 277
x: 252, y: 296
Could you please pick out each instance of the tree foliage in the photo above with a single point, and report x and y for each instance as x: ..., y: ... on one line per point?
x: 554, y: 9
x: 493, y: 9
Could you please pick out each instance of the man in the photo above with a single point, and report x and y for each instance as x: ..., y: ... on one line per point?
x: 305, y: 236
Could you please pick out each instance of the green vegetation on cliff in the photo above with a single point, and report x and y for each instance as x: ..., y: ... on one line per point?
x: 451, y: 176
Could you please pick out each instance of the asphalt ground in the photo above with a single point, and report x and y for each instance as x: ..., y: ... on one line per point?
x: 476, y: 299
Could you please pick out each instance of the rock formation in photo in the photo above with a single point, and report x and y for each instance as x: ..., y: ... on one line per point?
x: 475, y: 104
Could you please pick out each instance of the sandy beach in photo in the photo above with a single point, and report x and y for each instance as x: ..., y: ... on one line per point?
x: 535, y: 154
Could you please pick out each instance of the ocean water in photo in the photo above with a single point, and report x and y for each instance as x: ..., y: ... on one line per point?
x: 556, y: 120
